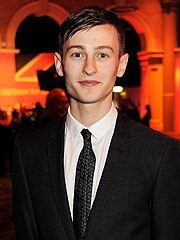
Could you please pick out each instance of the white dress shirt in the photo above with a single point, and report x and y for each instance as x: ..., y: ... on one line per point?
x: 102, y: 132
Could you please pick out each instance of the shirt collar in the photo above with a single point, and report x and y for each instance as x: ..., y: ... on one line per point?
x: 98, y: 129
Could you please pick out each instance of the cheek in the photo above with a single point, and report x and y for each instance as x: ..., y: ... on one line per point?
x: 110, y: 77
x: 110, y: 73
x: 72, y: 72
x: 110, y: 68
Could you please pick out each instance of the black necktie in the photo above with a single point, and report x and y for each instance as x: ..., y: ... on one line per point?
x: 83, y: 186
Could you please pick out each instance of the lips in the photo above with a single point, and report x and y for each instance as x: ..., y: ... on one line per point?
x: 89, y: 83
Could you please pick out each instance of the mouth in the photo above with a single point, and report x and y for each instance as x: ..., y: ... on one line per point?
x: 89, y: 83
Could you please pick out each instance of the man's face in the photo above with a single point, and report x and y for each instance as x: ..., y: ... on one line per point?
x: 91, y: 63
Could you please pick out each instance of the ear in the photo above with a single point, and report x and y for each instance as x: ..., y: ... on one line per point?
x: 58, y: 64
x: 122, y: 65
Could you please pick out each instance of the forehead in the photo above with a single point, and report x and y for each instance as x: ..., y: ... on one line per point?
x: 98, y: 35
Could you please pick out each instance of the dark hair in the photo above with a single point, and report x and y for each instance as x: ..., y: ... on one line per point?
x: 86, y: 18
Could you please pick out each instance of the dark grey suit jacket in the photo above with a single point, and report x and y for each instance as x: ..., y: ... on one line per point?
x: 138, y: 196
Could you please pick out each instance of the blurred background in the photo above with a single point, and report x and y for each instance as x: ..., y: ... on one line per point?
x: 31, y: 92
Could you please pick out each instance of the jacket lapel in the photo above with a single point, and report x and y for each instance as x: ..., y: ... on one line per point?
x: 117, y: 155
x: 56, y: 168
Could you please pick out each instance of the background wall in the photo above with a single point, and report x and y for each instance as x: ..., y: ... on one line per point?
x: 156, y: 27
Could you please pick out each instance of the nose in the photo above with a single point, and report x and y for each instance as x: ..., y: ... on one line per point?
x: 89, y: 66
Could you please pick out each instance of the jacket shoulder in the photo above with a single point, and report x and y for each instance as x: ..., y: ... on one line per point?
x: 41, y: 135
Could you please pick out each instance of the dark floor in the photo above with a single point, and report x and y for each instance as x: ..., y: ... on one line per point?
x: 6, y: 225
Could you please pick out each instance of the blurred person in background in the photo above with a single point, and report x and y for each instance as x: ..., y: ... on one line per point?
x: 56, y: 107
x: 57, y: 103
x: 5, y: 143
x: 147, y: 117
x: 132, y: 111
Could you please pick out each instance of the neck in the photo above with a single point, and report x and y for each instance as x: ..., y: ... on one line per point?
x: 88, y: 114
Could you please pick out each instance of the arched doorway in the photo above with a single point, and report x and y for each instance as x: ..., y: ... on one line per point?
x: 37, y: 34
x: 151, y: 68
x: 19, y: 87
x: 131, y: 80
x: 132, y: 76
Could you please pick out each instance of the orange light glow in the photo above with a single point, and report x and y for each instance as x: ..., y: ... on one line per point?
x: 177, y: 77
x: 177, y: 92
x: 21, y: 92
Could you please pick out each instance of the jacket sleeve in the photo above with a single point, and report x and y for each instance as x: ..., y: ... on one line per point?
x: 23, y: 214
x: 165, y: 211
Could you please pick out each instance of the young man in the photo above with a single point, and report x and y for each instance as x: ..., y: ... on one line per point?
x: 135, y: 191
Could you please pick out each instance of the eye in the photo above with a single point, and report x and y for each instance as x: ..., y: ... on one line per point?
x: 77, y: 55
x: 102, y: 55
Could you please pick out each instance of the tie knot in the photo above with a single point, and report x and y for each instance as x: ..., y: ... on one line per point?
x: 86, y: 134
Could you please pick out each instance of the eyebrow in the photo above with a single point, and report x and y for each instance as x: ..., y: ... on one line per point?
x: 75, y: 46
x: 83, y: 48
